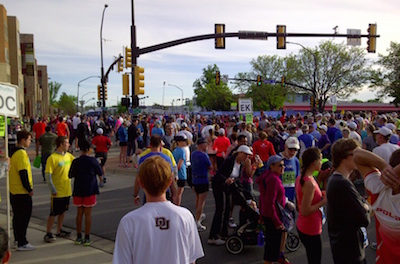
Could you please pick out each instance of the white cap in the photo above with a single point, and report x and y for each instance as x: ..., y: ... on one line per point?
x: 221, y: 131
x: 292, y: 142
x: 384, y: 131
x: 184, y: 124
x: 99, y: 131
x: 245, y: 149
x: 327, y: 115
x: 323, y: 127
x: 352, y: 125
x: 391, y: 126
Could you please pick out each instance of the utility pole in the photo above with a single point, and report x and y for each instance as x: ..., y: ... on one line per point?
x: 134, y: 53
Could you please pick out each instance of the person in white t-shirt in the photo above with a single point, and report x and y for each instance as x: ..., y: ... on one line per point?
x: 385, y: 201
x: 159, y: 231
x: 385, y: 148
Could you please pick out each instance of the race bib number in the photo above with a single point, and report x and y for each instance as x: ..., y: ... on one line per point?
x: 288, y: 179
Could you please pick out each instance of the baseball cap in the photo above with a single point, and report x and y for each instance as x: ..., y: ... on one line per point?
x: 184, y: 124
x: 292, y: 142
x: 99, y: 131
x: 352, y: 125
x: 201, y: 141
x: 245, y: 149
x: 273, y: 159
x: 384, y: 131
x: 221, y: 131
x: 181, y: 137
x: 323, y: 127
x: 391, y: 126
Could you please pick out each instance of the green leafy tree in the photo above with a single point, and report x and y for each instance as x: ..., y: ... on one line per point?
x: 387, y: 78
x: 54, y: 89
x: 67, y: 104
x: 267, y: 96
x: 326, y: 70
x: 209, y: 95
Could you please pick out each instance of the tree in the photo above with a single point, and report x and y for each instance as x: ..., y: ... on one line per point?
x: 208, y: 94
x: 387, y: 78
x: 67, y: 104
x: 54, y: 88
x: 329, y: 69
x: 267, y: 96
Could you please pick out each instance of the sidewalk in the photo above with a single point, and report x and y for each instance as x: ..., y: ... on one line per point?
x: 63, y: 250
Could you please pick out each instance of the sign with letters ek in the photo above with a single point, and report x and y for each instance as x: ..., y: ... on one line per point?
x: 245, y: 105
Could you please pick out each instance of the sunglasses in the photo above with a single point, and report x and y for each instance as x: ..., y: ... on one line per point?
x: 280, y: 165
x: 294, y: 149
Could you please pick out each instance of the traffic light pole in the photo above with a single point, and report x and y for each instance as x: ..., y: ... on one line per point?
x: 134, y: 55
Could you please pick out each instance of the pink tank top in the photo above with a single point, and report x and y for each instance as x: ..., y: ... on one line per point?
x: 311, y: 224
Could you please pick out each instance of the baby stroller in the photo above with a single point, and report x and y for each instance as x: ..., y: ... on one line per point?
x: 248, y: 229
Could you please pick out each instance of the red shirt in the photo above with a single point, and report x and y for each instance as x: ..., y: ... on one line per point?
x: 62, y: 129
x: 39, y: 129
x: 221, y: 144
x: 102, y: 143
x: 264, y: 149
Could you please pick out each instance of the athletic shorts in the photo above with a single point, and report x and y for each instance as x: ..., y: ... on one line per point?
x: 123, y: 144
x: 181, y: 183
x: 102, y: 156
x: 201, y: 188
x: 86, y: 201
x: 59, y: 205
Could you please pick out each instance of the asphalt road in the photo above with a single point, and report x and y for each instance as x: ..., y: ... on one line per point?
x: 116, y: 200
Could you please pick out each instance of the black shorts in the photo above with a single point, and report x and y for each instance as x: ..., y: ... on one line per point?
x: 123, y: 144
x: 131, y: 148
x: 201, y: 188
x: 181, y: 183
x: 102, y: 156
x: 59, y: 205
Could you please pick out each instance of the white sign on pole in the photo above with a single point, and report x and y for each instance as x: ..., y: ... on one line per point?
x: 245, y: 105
x: 8, y: 100
x: 356, y: 41
x: 333, y: 100
x: 225, y: 78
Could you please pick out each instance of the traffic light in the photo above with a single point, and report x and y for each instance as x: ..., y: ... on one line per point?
x: 220, y: 41
x: 283, y: 81
x: 139, y: 77
x: 125, y: 84
x: 125, y: 101
x: 316, y: 102
x: 120, y: 64
x: 259, y: 81
x: 105, y: 92
x: 128, y: 57
x: 99, y: 93
x: 217, y: 77
x: 312, y: 102
x: 371, y: 42
x: 281, y: 40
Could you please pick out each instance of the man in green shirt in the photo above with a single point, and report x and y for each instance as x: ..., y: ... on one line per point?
x: 48, y: 143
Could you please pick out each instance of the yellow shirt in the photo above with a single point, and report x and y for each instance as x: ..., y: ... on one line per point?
x: 164, y: 151
x: 19, y: 161
x: 58, y: 166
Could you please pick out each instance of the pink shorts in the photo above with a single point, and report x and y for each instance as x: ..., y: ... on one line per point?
x: 87, y: 201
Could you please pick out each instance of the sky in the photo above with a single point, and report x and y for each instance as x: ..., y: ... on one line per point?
x: 67, y: 37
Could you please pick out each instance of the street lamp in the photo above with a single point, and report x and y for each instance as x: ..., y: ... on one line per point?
x: 101, y: 51
x: 179, y: 89
x: 79, y: 83
x: 315, y: 63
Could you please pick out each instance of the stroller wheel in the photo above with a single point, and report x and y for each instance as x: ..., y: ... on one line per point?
x: 234, y: 245
x: 292, y: 242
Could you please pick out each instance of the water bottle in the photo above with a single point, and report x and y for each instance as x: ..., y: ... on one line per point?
x: 260, y: 238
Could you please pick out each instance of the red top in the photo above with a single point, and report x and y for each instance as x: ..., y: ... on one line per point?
x: 221, y: 144
x: 102, y: 143
x: 39, y: 128
x: 264, y: 149
x: 62, y: 129
x: 311, y: 224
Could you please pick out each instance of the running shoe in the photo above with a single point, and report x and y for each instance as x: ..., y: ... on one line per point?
x: 216, y: 241
x: 202, y: 217
x: 49, y: 238
x: 26, y: 247
x: 200, y: 227
x: 283, y: 260
x: 87, y: 242
x: 232, y: 223
x: 79, y: 241
x: 63, y: 233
